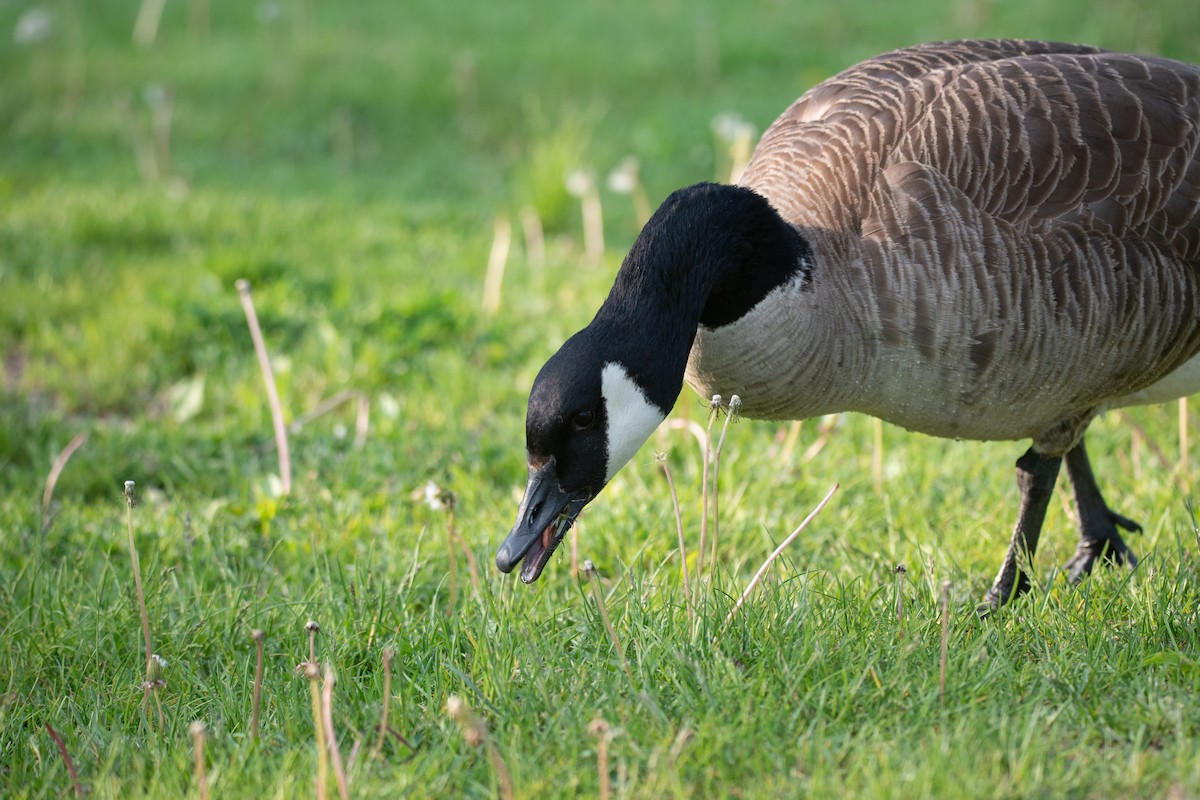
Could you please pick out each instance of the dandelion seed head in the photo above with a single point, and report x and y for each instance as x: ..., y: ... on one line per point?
x: 435, y: 497
x: 580, y: 182
x: 730, y: 127
x: 35, y: 25
x: 155, y: 94
x: 624, y: 179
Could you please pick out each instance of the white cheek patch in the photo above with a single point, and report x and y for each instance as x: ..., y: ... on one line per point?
x: 631, y: 416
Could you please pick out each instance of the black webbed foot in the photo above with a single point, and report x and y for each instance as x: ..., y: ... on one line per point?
x: 999, y: 595
x: 1099, y: 538
x: 1105, y: 544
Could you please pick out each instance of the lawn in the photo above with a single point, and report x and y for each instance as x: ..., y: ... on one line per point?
x: 356, y: 163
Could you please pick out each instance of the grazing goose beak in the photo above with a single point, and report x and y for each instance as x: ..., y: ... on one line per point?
x: 545, y: 516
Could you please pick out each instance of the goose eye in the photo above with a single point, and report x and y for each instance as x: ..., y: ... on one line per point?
x: 583, y: 420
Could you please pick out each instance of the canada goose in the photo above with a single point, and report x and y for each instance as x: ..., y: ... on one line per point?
x: 990, y: 240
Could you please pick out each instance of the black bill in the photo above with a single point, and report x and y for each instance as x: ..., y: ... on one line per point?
x: 545, y: 516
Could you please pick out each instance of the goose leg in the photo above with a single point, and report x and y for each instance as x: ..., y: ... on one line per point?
x: 1098, y: 535
x: 1036, y: 474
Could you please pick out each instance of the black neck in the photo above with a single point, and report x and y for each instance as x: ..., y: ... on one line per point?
x: 707, y: 256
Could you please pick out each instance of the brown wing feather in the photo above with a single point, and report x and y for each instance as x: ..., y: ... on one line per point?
x: 1106, y: 139
x: 1024, y: 217
x: 1025, y: 129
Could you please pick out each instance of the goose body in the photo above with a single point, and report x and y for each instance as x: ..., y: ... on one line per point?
x: 991, y: 240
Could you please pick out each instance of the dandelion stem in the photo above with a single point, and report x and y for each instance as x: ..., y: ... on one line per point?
x: 130, y: 501
x: 535, y: 240
x: 475, y: 732
x: 687, y: 589
x: 312, y: 673
x: 713, y: 407
x: 339, y: 769
x: 197, y: 728
x: 735, y: 404
x: 593, y: 227
x: 600, y: 729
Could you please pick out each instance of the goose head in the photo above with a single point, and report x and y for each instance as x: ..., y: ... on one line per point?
x: 588, y: 415
x: 706, y: 257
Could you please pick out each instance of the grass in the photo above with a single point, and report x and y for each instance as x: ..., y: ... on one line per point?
x: 349, y: 161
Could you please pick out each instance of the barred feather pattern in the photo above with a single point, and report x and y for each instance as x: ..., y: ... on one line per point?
x: 1005, y: 237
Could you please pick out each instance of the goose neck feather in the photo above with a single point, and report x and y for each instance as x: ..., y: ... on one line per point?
x: 707, y: 257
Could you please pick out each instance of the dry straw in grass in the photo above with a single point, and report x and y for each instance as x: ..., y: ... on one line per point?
x: 264, y: 363
x: 771, y: 558
x: 493, y: 281
x: 66, y: 757
x: 387, y: 696
x: 145, y: 28
x: 56, y: 470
